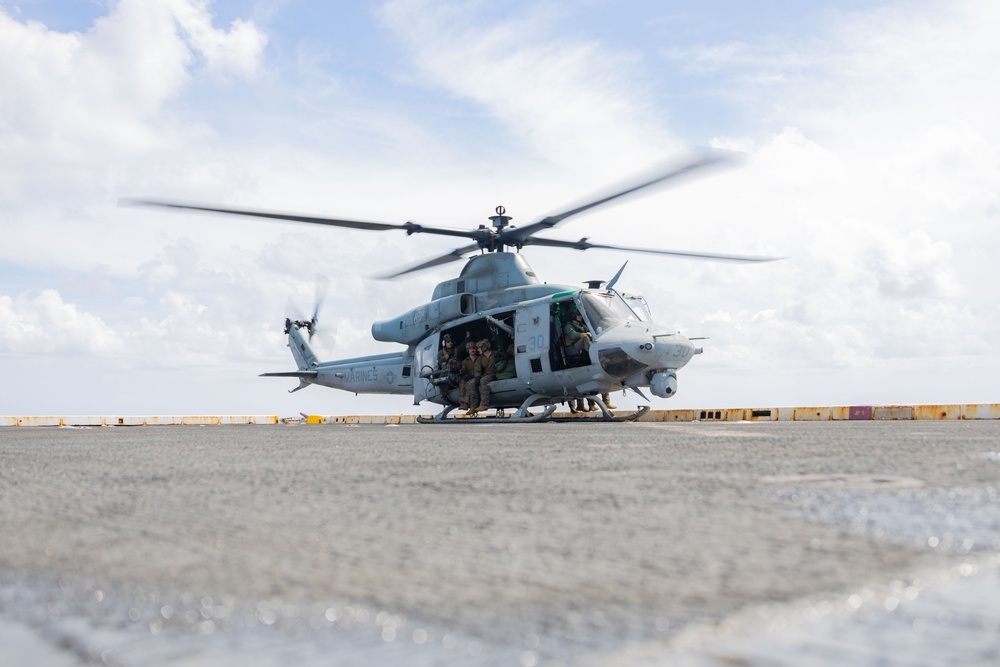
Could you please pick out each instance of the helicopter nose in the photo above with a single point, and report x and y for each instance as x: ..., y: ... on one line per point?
x: 674, y: 350
x: 630, y: 349
x: 658, y: 348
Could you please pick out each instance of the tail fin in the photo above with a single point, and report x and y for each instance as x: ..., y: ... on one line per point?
x: 305, y: 358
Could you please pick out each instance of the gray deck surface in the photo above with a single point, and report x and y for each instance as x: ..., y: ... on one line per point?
x: 523, y: 544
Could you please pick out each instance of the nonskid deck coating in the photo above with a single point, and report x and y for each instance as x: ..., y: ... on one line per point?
x: 488, y: 545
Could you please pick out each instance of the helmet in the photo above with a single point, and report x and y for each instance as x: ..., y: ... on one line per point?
x: 484, y: 344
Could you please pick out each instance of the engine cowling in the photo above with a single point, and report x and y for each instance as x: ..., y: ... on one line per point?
x: 411, y: 327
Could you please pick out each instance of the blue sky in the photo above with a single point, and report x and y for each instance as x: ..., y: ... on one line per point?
x: 873, y: 160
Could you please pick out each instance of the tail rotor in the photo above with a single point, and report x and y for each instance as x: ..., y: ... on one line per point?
x: 326, y: 334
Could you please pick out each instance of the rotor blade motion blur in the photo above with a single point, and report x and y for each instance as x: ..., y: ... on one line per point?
x: 322, y: 289
x: 408, y: 227
x: 294, y: 316
x: 453, y: 256
x: 584, y: 244
x: 502, y: 236
x: 659, y: 176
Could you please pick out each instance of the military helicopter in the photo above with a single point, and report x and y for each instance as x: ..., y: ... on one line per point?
x: 498, y: 298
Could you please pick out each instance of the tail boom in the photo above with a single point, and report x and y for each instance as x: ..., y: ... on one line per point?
x: 376, y: 374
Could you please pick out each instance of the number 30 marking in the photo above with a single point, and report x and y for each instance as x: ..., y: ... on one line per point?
x: 536, y: 343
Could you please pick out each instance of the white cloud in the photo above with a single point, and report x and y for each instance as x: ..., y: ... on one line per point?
x: 236, y: 51
x: 570, y: 101
x: 44, y: 325
x: 76, y: 103
x: 883, y: 186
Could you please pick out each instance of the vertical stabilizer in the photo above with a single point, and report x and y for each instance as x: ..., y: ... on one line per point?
x: 305, y: 358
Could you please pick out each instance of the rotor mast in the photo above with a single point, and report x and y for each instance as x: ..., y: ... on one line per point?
x: 500, y: 221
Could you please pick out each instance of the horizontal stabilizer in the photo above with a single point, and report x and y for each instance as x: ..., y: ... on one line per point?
x: 302, y: 375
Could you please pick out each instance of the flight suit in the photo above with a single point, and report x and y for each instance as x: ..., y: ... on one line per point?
x: 574, y: 332
x: 574, y: 335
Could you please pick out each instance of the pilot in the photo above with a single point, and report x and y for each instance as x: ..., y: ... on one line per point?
x: 468, y: 388
x: 577, y: 334
x: 485, y: 372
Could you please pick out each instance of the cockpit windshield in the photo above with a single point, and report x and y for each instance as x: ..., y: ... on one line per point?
x: 605, y: 310
x: 639, y: 306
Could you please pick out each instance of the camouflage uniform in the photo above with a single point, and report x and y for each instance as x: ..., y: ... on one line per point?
x: 444, y: 356
x: 485, y: 372
x: 468, y: 388
x: 462, y: 348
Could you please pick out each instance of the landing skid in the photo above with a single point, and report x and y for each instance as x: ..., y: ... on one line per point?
x: 498, y: 419
x: 522, y: 416
x: 599, y: 417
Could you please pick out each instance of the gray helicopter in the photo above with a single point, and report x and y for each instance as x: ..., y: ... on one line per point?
x: 528, y: 325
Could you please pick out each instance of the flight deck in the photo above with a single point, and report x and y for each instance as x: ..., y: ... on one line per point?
x: 833, y: 542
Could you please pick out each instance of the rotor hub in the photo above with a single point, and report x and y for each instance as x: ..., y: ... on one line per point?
x: 500, y: 220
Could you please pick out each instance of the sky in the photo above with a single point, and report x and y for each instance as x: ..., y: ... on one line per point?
x: 872, y: 162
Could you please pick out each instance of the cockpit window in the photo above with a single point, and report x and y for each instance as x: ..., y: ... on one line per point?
x: 639, y: 306
x: 604, y: 310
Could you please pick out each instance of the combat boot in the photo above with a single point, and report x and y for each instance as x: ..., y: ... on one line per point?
x: 607, y: 401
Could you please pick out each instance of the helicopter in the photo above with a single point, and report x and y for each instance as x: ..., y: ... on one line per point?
x: 497, y: 298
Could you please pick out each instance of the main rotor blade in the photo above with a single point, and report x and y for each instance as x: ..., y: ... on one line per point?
x: 453, y: 256
x: 611, y: 283
x: 408, y: 227
x: 271, y: 215
x: 659, y: 176
x: 584, y: 244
